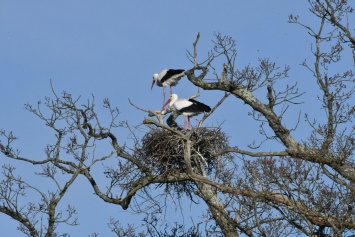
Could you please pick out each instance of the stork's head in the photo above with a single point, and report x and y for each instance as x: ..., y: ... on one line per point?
x: 172, y: 99
x: 155, y: 78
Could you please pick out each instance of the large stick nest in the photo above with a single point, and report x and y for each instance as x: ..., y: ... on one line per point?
x: 164, y: 151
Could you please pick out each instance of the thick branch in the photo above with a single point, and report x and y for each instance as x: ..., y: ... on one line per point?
x: 137, y: 185
x: 292, y: 147
x: 252, y: 154
x: 21, y: 219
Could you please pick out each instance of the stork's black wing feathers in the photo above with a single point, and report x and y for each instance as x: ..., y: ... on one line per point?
x: 196, y: 107
x: 170, y: 73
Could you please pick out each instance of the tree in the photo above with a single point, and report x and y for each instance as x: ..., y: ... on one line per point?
x: 306, y: 187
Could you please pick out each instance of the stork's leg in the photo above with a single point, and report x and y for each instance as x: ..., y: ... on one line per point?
x: 184, y: 122
x: 171, y: 90
x: 188, y: 122
x: 163, y: 97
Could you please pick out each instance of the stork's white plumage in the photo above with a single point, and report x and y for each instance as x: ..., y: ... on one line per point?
x: 167, y: 77
x: 186, y: 107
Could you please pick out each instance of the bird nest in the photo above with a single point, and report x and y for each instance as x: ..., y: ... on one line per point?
x: 164, y: 151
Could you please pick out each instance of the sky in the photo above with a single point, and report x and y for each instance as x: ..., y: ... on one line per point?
x: 111, y: 49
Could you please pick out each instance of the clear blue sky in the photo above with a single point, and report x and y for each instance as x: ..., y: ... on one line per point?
x: 112, y: 48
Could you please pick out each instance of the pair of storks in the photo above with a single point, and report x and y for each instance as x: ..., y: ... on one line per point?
x: 187, y: 107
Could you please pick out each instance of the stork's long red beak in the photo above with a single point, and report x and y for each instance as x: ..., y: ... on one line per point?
x: 166, y: 103
x: 152, y: 85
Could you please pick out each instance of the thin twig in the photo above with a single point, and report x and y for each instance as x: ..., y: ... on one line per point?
x: 195, y: 50
x: 195, y: 95
x: 151, y: 113
x: 206, y: 115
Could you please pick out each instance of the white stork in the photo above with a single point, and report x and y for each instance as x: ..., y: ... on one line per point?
x: 167, y: 77
x: 186, y: 107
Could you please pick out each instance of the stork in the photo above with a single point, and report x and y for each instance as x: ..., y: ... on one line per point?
x: 171, y: 121
x: 186, y: 107
x: 167, y: 77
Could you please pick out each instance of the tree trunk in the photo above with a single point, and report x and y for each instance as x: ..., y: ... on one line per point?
x: 225, y: 222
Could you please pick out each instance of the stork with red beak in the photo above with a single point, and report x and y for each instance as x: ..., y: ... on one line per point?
x: 186, y: 107
x: 167, y: 77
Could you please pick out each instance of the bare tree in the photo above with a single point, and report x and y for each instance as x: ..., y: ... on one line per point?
x: 306, y: 187
x: 310, y: 182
